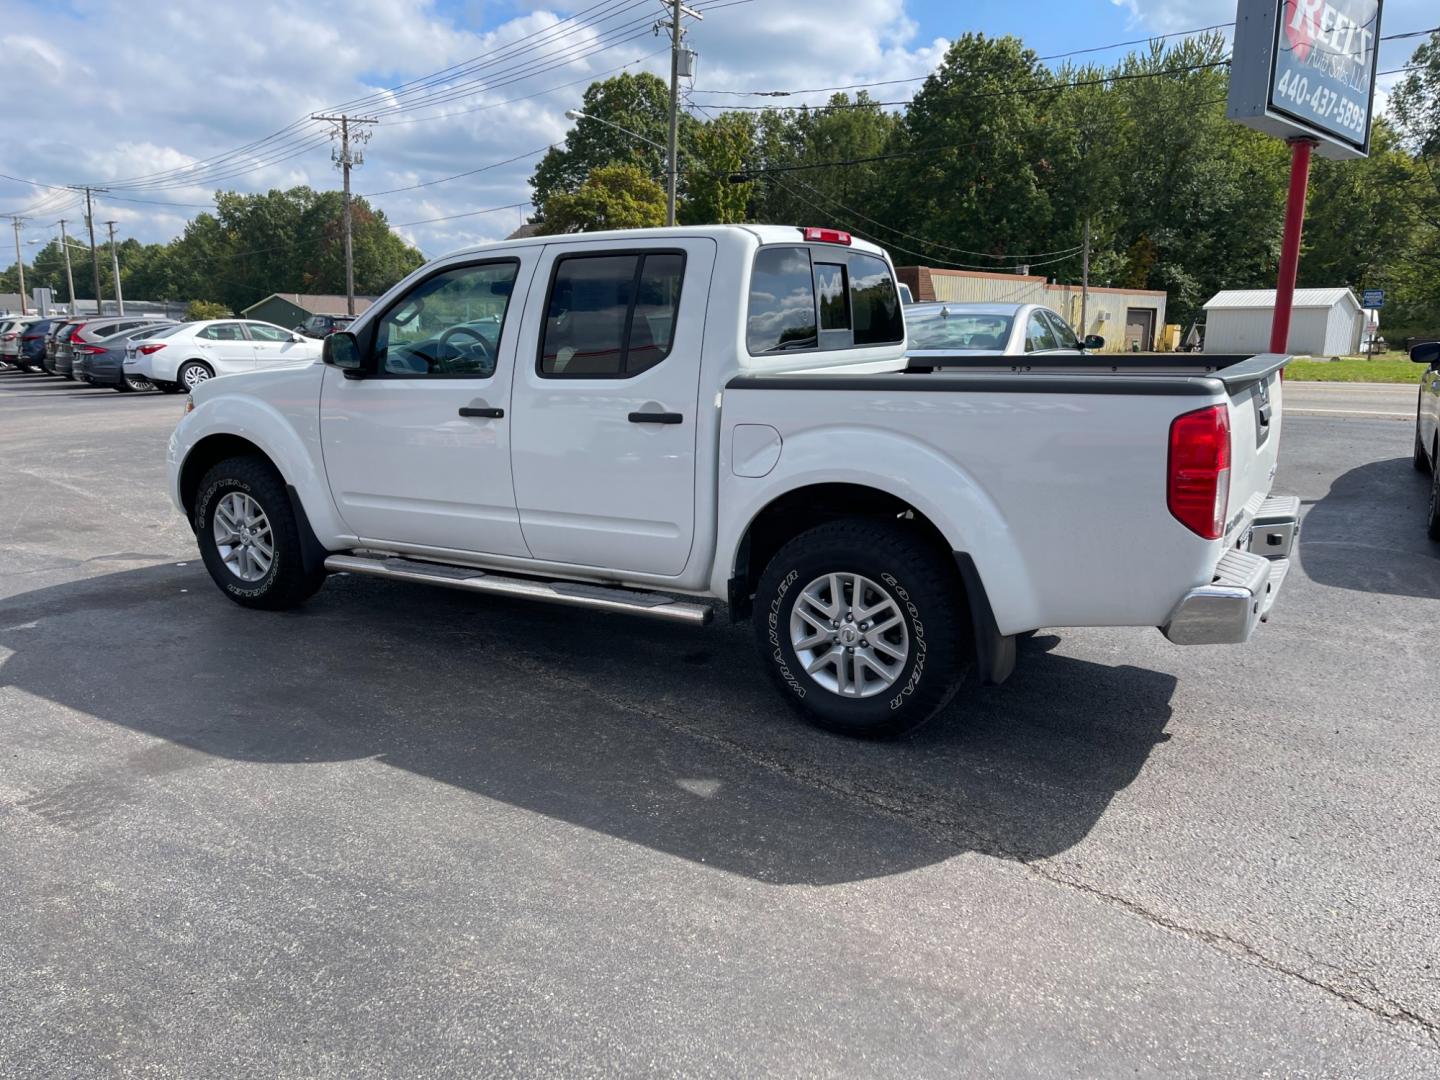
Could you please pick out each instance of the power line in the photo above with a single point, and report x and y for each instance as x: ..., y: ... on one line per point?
x: 468, y: 213
x: 1053, y: 88
x: 225, y: 159
x: 1050, y: 56
x: 909, y: 251
x: 457, y: 176
x: 527, y: 97
x: 506, y: 51
x: 922, y: 78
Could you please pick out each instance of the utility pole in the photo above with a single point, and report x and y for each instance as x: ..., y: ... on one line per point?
x: 1085, y: 282
x: 115, y: 269
x: 69, y: 277
x: 20, y: 264
x: 90, y: 224
x: 677, y: 36
x: 345, y: 160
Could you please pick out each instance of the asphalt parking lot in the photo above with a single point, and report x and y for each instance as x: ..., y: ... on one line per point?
x: 404, y: 832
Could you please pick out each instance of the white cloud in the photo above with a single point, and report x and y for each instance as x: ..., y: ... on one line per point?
x: 177, y: 83
x: 118, y: 91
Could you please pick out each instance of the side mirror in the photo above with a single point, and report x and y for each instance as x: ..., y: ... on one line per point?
x: 1426, y: 353
x: 341, y: 350
x: 1094, y: 341
x: 296, y: 337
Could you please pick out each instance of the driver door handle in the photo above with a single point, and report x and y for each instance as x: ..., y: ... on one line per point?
x: 488, y: 413
x: 656, y: 418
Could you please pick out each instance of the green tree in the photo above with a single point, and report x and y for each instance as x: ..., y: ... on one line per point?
x: 1361, y: 220
x: 638, y: 104
x: 381, y: 257
x: 976, y: 146
x: 1191, y: 202
x: 718, y: 149
x: 206, y: 309
x: 612, y: 197
x: 795, y: 155
x: 1415, y: 104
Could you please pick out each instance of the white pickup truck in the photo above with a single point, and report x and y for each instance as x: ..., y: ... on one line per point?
x: 653, y: 421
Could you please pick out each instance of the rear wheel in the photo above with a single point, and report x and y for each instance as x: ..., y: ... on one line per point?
x: 193, y: 373
x: 249, y: 537
x: 862, y: 627
x: 1432, y: 522
x: 134, y: 382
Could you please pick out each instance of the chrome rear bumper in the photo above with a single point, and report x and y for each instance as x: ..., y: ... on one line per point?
x: 1245, y: 583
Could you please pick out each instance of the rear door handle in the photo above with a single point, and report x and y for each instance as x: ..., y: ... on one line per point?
x: 487, y: 412
x: 656, y: 418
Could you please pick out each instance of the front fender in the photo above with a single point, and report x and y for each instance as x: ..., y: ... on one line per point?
x: 289, y: 438
x: 934, y: 485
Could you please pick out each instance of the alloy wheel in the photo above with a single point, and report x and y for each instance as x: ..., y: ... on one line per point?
x: 243, y: 536
x: 849, y: 634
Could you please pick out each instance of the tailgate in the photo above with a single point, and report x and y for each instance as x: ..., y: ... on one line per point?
x: 1254, y: 446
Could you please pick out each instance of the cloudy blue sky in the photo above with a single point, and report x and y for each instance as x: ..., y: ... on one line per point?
x: 166, y: 102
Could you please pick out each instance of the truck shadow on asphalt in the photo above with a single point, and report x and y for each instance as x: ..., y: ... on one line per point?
x: 662, y: 736
x: 1368, y: 533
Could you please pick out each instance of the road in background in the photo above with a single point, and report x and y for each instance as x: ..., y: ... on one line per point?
x: 407, y: 831
x: 1381, y: 401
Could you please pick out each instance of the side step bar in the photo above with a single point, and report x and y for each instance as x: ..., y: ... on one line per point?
x: 571, y: 593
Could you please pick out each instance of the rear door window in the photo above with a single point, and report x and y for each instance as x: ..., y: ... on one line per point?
x: 266, y: 332
x: 610, y: 316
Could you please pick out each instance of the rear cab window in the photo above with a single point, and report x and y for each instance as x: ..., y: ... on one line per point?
x: 822, y: 298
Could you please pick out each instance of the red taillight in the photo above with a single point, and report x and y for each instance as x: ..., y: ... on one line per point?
x: 146, y: 350
x: 1198, y: 475
x: 8, y: 337
x: 75, y: 333
x: 32, y: 337
x: 826, y: 236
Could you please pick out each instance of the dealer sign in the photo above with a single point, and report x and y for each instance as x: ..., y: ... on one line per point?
x: 1306, y: 69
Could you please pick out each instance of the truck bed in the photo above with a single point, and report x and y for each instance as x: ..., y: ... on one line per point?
x: 1235, y: 370
x: 1054, y: 477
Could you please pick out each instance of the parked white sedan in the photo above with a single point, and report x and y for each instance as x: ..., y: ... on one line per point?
x: 943, y: 329
x: 181, y: 357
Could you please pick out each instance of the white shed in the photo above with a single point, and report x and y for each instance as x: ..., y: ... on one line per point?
x: 1324, y: 322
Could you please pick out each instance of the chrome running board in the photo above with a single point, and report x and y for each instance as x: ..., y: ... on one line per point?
x: 570, y: 593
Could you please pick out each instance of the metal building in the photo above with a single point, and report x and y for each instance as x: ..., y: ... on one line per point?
x: 292, y: 309
x: 1324, y: 322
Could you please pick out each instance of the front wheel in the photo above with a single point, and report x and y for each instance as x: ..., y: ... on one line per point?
x: 193, y: 373
x: 862, y: 626
x: 249, y: 537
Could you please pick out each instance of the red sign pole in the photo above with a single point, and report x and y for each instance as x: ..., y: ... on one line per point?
x: 1290, y: 244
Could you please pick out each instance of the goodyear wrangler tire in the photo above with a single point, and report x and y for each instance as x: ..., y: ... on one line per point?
x: 862, y: 626
x: 249, y: 538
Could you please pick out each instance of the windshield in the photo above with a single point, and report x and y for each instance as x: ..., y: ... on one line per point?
x: 959, y: 330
